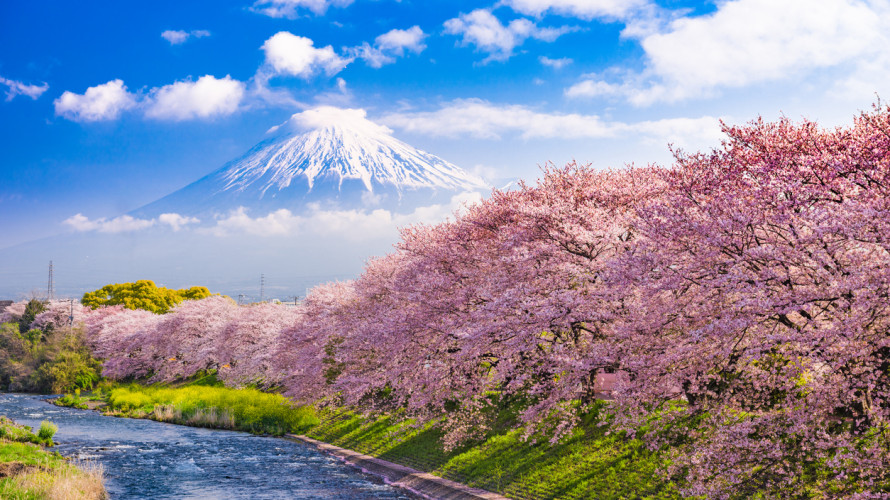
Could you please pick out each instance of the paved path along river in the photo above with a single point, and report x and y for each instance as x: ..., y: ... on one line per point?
x: 147, y: 459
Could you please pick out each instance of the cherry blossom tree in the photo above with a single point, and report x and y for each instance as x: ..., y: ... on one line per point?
x: 763, y: 291
x: 738, y: 299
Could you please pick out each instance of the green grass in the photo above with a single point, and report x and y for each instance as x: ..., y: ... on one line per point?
x: 10, y: 431
x: 207, y: 405
x: 591, y: 463
x: 32, y: 472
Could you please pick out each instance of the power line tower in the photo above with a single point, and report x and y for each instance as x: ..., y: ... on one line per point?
x: 50, y: 289
x: 262, y: 288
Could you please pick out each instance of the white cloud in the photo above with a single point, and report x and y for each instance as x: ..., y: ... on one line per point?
x: 390, y: 45
x: 593, y: 87
x: 355, y: 225
x: 17, y: 88
x: 126, y: 223
x: 372, y: 56
x: 555, y: 63
x: 102, y: 102
x: 123, y: 223
x: 324, y: 116
x: 294, y: 55
x: 482, y: 29
x: 398, y: 41
x: 176, y: 37
x: 683, y: 132
x: 289, y: 8
x: 584, y: 9
x: 480, y: 119
x: 749, y: 42
x: 176, y: 221
x: 205, y: 98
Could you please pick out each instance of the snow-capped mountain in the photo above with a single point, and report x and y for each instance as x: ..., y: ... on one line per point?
x: 330, y: 156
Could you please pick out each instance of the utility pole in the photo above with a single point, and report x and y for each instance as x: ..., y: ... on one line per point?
x: 49, y: 284
x: 71, y: 312
x: 240, y: 299
x: 262, y: 288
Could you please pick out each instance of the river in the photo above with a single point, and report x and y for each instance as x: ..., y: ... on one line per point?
x: 152, y: 460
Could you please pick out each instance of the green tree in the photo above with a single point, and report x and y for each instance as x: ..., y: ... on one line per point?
x: 34, y: 307
x: 142, y: 294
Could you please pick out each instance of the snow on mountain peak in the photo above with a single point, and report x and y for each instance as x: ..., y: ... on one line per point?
x: 333, y: 156
x: 326, y: 144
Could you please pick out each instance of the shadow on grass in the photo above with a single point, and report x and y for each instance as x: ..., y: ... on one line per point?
x: 589, y: 464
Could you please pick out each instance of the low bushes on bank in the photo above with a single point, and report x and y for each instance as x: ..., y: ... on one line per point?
x: 48, y: 360
x: 217, y: 407
x: 28, y: 471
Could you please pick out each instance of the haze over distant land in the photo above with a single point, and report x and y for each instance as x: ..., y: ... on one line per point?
x: 124, y: 142
x: 307, y: 206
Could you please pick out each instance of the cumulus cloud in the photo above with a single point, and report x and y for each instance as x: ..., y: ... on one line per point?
x: 481, y: 119
x: 176, y: 221
x: 126, y: 223
x: 16, y: 88
x: 121, y: 224
x: 747, y: 42
x: 355, y: 225
x: 584, y: 9
x: 392, y: 44
x: 555, y: 63
x: 486, y: 32
x: 290, y: 8
x: 176, y: 37
x: 289, y: 54
x: 325, y: 116
x: 102, y: 102
x: 397, y: 41
x: 205, y: 98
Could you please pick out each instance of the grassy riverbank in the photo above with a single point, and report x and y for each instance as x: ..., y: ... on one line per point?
x: 591, y: 463
x: 28, y: 471
x: 203, y: 402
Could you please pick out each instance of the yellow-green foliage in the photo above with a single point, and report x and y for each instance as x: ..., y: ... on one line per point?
x: 142, y: 294
x: 221, y: 407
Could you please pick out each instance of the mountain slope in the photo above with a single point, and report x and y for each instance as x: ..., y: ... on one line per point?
x: 336, y: 158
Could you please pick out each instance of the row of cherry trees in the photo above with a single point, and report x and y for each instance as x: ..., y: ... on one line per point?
x: 740, y: 295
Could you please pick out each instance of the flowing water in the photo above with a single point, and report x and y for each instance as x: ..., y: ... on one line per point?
x: 154, y: 460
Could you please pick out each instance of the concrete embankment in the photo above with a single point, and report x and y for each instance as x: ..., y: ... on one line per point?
x: 398, y: 475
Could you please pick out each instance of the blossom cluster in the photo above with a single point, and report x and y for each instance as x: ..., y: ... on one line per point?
x: 738, y: 299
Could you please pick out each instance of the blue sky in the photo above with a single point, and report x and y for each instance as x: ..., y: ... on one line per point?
x: 110, y: 105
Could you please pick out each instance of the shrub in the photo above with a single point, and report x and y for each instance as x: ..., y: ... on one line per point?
x: 47, y: 431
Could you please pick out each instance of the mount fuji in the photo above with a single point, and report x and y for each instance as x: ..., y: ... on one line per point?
x: 329, y: 157
x: 326, y: 191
